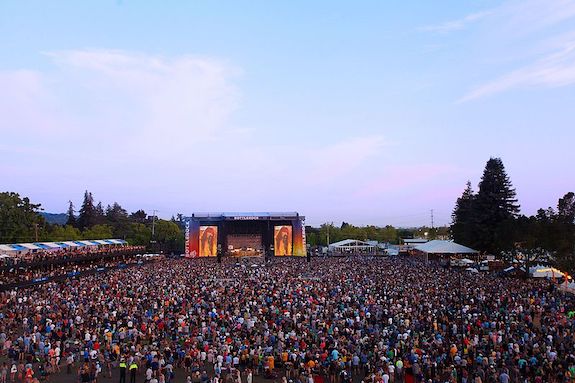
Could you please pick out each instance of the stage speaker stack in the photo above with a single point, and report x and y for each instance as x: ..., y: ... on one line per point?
x: 219, y: 254
x: 269, y: 254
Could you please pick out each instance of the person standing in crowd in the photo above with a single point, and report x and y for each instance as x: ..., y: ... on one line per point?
x: 133, y: 371
x: 123, y: 367
x: 4, y: 373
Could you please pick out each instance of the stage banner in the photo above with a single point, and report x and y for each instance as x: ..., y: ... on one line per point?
x: 299, y: 245
x: 187, y: 237
x: 208, y: 241
x: 283, y: 240
x: 192, y: 239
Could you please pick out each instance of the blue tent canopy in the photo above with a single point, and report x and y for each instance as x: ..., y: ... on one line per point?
x: 26, y: 247
x: 43, y: 246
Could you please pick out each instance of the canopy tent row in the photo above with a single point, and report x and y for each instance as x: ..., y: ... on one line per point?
x: 52, y: 246
x: 6, y: 248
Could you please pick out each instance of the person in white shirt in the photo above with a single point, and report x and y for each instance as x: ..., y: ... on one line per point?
x: 391, y: 370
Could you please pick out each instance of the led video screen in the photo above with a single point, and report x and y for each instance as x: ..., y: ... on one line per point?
x: 283, y: 240
x: 208, y: 241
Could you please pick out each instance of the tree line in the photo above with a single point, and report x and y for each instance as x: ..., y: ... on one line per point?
x: 318, y: 236
x: 21, y: 221
x: 489, y: 220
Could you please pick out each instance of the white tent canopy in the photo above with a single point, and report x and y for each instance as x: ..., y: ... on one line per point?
x: 444, y: 247
x: 545, y: 272
x: 84, y: 243
x: 351, y: 243
x: 51, y: 245
x: 349, y: 246
x: 30, y: 246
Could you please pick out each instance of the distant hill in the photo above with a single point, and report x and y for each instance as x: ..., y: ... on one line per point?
x: 57, y: 218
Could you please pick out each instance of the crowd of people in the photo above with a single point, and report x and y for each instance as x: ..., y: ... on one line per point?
x: 26, y: 274
x: 376, y: 320
x: 28, y: 267
x: 68, y: 254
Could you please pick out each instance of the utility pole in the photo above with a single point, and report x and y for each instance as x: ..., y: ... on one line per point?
x: 153, y: 239
x: 432, y: 218
x: 153, y: 223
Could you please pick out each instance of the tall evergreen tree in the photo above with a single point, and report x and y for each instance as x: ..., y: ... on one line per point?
x: 71, y: 217
x: 87, y: 214
x: 462, y: 226
x: 139, y: 216
x: 495, y: 209
x: 116, y: 213
x: 100, y: 215
x: 564, y: 230
x: 566, y: 209
x: 118, y: 218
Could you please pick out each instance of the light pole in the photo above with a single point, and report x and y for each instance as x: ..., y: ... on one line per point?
x: 426, y: 254
x: 153, y: 240
x: 328, y: 239
x: 153, y: 222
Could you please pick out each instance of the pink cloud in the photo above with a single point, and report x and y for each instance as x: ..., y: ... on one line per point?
x: 403, y: 177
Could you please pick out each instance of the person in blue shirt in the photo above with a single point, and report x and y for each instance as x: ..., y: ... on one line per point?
x: 334, y: 354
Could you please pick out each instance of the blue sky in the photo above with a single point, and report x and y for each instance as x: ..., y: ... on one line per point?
x: 370, y: 112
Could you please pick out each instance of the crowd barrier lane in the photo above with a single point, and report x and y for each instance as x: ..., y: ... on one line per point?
x: 74, y: 274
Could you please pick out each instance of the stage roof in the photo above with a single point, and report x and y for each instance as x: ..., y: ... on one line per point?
x: 247, y: 216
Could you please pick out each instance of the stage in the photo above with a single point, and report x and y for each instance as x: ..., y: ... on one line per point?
x: 245, y: 234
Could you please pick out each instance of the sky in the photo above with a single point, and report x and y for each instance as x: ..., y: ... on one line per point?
x: 369, y: 112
